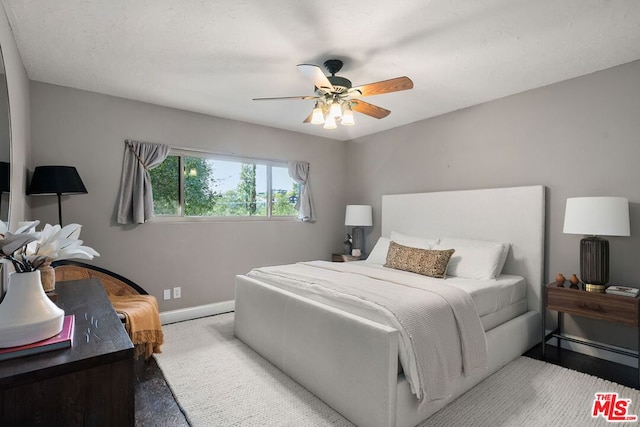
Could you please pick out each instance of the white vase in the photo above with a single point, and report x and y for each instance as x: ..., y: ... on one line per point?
x: 27, y: 315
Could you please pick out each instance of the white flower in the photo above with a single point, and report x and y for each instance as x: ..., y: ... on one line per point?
x: 28, y: 249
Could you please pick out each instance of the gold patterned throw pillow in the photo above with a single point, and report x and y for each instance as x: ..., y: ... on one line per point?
x: 427, y: 262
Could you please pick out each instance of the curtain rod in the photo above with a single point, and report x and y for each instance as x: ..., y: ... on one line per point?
x: 196, y: 150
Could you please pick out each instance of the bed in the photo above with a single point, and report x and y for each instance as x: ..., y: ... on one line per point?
x: 355, y: 360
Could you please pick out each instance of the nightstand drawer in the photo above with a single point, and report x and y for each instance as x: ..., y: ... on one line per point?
x: 607, y: 307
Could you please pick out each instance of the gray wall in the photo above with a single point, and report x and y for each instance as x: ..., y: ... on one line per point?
x: 580, y: 137
x: 87, y: 130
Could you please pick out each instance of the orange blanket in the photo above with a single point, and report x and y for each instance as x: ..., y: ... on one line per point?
x: 142, y: 322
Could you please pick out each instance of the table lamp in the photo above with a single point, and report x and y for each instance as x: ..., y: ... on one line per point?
x: 595, y: 217
x: 358, y: 216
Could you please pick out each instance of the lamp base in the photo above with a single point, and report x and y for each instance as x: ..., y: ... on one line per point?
x: 594, y: 261
x: 599, y: 289
x: 357, y: 233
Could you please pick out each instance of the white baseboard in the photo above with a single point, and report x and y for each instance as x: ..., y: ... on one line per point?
x: 597, y: 352
x: 183, y: 314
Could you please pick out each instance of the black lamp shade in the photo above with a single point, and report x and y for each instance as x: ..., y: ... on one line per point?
x: 5, y: 177
x: 56, y: 180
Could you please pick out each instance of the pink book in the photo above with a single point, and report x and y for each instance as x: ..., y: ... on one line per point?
x: 63, y: 340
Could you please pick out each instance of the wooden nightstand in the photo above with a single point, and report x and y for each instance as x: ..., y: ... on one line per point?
x: 343, y: 258
x: 607, y: 307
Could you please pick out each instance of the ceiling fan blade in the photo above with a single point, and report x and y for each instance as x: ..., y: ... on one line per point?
x: 284, y: 97
x: 308, y: 119
x: 369, y: 109
x: 385, y: 86
x: 315, y: 74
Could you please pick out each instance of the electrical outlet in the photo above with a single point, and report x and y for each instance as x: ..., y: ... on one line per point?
x: 167, y: 294
x: 177, y: 292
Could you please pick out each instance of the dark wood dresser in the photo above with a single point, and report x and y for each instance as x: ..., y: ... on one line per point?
x: 90, y: 384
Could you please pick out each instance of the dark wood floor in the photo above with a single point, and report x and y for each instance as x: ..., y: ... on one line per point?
x: 156, y: 406
x: 604, y: 369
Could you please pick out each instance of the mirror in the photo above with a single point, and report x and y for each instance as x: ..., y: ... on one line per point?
x: 5, y: 145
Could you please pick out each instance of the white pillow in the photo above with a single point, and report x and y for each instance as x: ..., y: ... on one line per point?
x: 475, y: 259
x: 379, y: 253
x: 503, y: 259
x: 413, y: 241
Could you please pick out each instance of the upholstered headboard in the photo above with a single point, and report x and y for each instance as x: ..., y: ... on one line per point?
x: 515, y: 215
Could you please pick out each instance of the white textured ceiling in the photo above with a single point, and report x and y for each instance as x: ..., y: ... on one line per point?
x: 213, y: 57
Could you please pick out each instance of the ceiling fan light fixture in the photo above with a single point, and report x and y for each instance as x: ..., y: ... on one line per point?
x: 330, y: 122
x: 317, y: 117
x: 335, y: 96
x: 347, y: 115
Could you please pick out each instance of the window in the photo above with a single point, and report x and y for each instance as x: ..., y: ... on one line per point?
x: 190, y: 184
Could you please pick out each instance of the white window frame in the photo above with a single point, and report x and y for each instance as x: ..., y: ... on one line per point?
x: 269, y: 163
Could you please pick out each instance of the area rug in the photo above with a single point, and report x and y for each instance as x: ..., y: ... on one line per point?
x: 219, y: 381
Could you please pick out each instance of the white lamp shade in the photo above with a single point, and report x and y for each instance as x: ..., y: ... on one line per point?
x: 347, y: 117
x: 597, y: 216
x: 358, y: 216
x: 317, y: 118
x: 330, y: 123
x: 335, y: 110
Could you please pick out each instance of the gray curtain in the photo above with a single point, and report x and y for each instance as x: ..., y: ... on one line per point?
x: 299, y: 172
x: 136, y: 197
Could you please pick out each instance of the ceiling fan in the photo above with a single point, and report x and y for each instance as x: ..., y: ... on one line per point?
x: 336, y: 98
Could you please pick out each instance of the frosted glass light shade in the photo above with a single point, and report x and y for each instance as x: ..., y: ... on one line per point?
x: 317, y: 118
x: 358, y: 216
x: 347, y: 117
x: 330, y: 123
x: 597, y: 216
x: 335, y: 110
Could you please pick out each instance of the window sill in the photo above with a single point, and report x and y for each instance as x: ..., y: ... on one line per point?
x: 208, y: 219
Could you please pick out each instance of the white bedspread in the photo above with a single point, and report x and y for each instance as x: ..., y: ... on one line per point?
x: 441, y: 334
